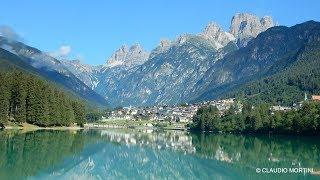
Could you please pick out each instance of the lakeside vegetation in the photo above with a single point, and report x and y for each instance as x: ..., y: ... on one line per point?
x: 260, y: 119
x: 25, y: 98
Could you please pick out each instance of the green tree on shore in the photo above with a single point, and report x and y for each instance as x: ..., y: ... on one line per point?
x: 260, y: 119
x: 4, y: 100
x: 27, y: 98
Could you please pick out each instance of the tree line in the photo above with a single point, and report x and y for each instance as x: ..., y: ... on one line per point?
x: 28, y: 98
x: 259, y: 119
x: 256, y: 151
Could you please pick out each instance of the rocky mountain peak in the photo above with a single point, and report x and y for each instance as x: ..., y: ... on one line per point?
x: 182, y: 39
x: 122, y: 49
x: 128, y: 57
x: 212, y: 29
x: 215, y: 34
x: 245, y: 26
x: 267, y: 21
x: 164, y: 43
x: 163, y: 46
x: 136, y: 48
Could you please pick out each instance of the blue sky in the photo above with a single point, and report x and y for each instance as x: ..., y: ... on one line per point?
x: 93, y: 30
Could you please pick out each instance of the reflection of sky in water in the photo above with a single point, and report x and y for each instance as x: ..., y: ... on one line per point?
x: 129, y: 154
x: 143, y: 163
x: 144, y: 155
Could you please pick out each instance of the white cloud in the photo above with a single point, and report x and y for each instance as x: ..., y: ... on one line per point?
x: 65, y: 50
x: 9, y: 33
x: 62, y: 53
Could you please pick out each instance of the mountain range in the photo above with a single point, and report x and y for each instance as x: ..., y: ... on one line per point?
x: 193, y: 67
x: 171, y: 72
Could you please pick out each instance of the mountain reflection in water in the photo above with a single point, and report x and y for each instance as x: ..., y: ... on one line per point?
x: 114, y: 154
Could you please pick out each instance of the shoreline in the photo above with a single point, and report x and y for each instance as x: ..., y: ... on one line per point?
x: 26, y: 126
x: 131, y: 126
x: 109, y: 124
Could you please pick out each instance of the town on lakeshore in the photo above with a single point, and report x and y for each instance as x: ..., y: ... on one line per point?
x: 182, y: 114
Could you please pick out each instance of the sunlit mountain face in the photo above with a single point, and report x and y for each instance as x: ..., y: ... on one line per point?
x: 212, y: 64
x: 172, y: 72
x: 146, y: 154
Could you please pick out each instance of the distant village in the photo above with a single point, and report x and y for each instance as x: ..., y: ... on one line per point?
x: 185, y: 112
x: 179, y: 113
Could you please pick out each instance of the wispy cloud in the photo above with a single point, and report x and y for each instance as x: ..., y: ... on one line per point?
x: 62, y: 53
x: 8, y: 32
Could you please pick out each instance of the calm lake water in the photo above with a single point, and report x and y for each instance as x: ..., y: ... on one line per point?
x: 128, y: 154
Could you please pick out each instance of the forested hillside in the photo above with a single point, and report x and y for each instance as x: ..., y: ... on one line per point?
x: 28, y: 98
x: 26, y: 58
x: 289, y: 86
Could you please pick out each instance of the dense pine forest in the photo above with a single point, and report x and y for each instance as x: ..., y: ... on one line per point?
x: 288, y: 86
x: 260, y: 119
x: 28, y: 98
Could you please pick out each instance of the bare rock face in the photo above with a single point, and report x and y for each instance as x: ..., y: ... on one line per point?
x: 245, y: 26
x: 86, y: 73
x: 128, y: 57
x: 164, y: 43
x: 163, y: 46
x: 176, y: 69
x: 215, y: 34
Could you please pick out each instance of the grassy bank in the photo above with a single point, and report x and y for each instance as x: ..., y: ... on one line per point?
x: 27, y: 126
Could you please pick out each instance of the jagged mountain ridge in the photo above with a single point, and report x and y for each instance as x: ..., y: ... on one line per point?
x: 129, y: 57
x: 170, y: 73
x: 271, y: 52
x: 167, y: 76
x: 245, y: 26
x: 193, y: 68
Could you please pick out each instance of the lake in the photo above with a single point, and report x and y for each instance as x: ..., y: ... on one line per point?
x: 147, y: 154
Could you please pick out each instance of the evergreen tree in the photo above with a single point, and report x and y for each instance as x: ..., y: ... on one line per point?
x: 260, y: 119
x: 27, y: 98
x: 79, y: 112
x: 54, y: 113
x: 4, y: 100
x: 31, y: 103
x: 18, y: 97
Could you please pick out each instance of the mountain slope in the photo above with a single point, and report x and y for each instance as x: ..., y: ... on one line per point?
x: 86, y: 73
x: 173, y: 71
x: 288, y: 86
x: 32, y: 60
x: 271, y: 52
x: 168, y: 76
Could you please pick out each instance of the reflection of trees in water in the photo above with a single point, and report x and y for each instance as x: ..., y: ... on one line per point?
x: 26, y: 154
x: 247, y: 151
x: 263, y: 151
